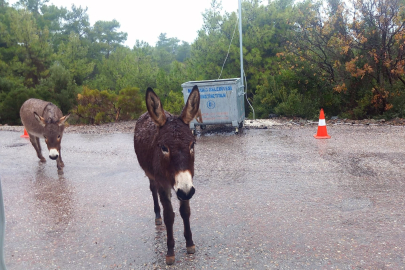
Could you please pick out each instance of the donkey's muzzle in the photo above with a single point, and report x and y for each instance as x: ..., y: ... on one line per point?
x: 53, y: 154
x: 184, y: 185
x: 182, y: 196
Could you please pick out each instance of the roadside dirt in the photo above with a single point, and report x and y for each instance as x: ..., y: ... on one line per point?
x: 283, y: 122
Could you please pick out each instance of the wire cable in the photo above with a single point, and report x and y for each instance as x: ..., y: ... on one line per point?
x: 228, y: 48
x: 227, y: 54
x: 247, y: 96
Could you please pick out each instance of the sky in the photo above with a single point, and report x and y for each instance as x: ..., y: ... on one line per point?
x: 146, y: 19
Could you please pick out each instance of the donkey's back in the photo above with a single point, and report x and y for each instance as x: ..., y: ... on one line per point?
x: 47, y: 110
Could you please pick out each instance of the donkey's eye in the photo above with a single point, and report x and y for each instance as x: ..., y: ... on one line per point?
x: 44, y: 137
x: 58, y: 136
x: 164, y: 149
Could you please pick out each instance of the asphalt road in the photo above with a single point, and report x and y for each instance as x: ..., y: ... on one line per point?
x: 265, y: 199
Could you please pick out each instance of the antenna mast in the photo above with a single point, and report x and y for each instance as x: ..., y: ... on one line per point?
x: 240, y: 42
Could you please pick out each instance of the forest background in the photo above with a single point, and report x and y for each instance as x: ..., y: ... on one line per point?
x: 299, y: 56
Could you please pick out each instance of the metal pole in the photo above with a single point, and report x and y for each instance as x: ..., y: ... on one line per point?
x: 240, y: 42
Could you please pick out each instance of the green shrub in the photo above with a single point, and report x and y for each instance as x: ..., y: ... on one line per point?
x: 174, y: 102
x: 130, y: 104
x: 273, y: 97
x: 95, y: 107
x: 11, y: 103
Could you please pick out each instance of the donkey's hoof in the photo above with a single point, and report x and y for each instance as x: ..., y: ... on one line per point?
x: 42, y: 159
x: 60, y: 171
x: 191, y: 250
x: 158, y: 221
x: 170, y: 260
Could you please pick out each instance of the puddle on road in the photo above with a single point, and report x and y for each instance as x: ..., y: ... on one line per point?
x: 53, y: 200
x: 352, y: 204
x: 17, y: 145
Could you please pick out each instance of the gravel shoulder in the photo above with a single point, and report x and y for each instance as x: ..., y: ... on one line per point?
x: 283, y: 122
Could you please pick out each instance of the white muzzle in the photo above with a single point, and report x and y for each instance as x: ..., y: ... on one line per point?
x: 53, y: 154
x: 183, y: 185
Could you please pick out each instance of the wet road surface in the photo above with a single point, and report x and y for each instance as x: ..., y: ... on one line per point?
x: 265, y: 199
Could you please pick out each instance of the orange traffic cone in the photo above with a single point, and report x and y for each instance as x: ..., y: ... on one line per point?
x: 25, y: 135
x: 322, y: 132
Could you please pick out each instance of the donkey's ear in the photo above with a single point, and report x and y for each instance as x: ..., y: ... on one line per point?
x: 192, y: 106
x: 198, y: 117
x: 155, y: 108
x: 62, y: 120
x: 40, y: 119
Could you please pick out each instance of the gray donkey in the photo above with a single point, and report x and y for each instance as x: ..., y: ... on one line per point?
x: 43, y: 119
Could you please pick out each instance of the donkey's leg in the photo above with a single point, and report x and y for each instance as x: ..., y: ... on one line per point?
x: 59, y: 166
x: 168, y: 215
x: 35, y: 142
x: 59, y: 162
x: 153, y: 189
x: 185, y: 214
x: 60, y: 158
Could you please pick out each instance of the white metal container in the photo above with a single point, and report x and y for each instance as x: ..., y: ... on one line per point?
x: 221, y: 101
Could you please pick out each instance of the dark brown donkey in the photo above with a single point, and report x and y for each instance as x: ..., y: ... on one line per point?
x: 45, y: 120
x: 164, y: 145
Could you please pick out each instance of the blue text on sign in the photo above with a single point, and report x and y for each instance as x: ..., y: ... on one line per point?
x: 212, y: 96
x: 213, y: 89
